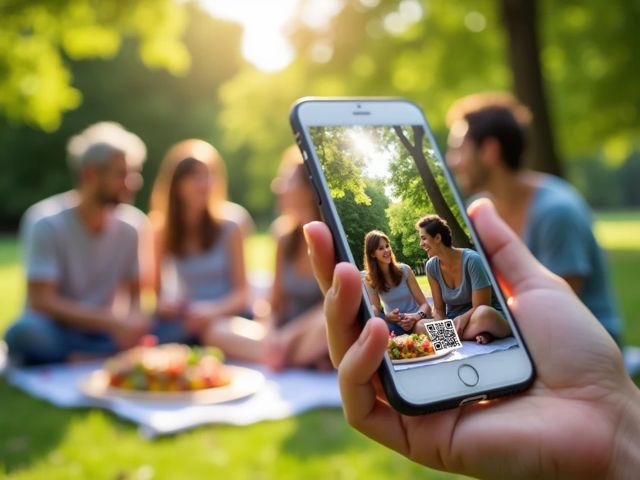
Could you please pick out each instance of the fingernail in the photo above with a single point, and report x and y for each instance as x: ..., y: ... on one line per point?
x: 364, y: 334
x: 335, y: 285
x: 306, y: 239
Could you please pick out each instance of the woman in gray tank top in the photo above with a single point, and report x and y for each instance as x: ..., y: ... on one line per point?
x: 293, y: 332
x: 200, y: 261
x: 392, y: 287
x: 460, y: 285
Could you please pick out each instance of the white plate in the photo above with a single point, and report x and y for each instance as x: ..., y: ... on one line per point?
x: 423, y: 358
x: 244, y: 382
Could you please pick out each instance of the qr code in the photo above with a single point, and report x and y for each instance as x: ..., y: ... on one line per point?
x: 443, y: 335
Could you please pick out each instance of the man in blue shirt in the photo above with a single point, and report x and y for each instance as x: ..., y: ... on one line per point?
x: 485, y: 153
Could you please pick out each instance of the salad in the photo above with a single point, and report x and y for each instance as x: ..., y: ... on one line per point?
x: 414, y: 345
x: 170, y: 367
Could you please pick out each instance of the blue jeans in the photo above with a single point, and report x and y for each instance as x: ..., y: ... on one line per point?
x: 36, y: 338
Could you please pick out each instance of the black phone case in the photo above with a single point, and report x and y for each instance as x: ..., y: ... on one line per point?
x: 398, y: 402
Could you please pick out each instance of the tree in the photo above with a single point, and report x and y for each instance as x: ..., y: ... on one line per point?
x: 434, y: 191
x: 160, y: 107
x: 38, y: 38
x: 521, y: 21
x: 358, y: 219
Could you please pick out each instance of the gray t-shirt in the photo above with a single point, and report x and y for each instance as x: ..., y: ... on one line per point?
x: 206, y: 275
x: 86, y: 267
x: 559, y: 234
x: 399, y: 296
x: 459, y: 300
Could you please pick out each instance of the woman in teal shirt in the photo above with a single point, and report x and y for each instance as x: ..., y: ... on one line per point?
x: 460, y: 285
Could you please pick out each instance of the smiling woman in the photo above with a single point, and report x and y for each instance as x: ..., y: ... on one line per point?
x: 265, y: 42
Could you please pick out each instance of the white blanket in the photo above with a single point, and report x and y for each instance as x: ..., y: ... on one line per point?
x: 283, y: 395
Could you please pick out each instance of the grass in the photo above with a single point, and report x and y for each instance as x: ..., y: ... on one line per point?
x: 38, y: 440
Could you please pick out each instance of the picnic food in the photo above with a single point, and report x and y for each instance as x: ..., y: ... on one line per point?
x: 168, y: 368
x: 415, y: 345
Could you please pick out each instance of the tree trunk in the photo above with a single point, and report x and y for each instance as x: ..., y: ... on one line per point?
x: 520, y: 19
x: 458, y: 235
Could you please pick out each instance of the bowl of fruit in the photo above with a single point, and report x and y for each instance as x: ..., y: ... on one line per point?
x: 412, y: 347
x: 171, y: 373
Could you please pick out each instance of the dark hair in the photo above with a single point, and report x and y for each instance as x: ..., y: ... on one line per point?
x: 495, y: 115
x: 373, y: 273
x: 434, y: 225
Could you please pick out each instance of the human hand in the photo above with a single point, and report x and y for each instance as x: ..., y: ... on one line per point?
x: 198, y: 315
x: 407, y: 321
x: 460, y: 323
x: 393, y: 315
x: 538, y: 434
x: 127, y: 331
x: 171, y: 310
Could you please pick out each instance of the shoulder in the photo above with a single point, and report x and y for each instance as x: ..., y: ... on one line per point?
x: 237, y: 214
x: 556, y: 200
x: 132, y: 216
x: 432, y: 265
x: 471, y: 259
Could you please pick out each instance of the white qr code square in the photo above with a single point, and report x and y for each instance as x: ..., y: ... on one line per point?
x: 443, y: 335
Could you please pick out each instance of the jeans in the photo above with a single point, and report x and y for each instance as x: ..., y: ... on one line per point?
x: 36, y: 338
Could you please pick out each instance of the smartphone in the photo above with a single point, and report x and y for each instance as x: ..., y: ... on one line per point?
x: 375, y: 167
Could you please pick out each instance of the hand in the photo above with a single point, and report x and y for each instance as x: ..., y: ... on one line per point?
x: 393, y: 316
x: 276, y: 350
x: 460, y: 323
x: 126, y: 332
x: 407, y: 321
x: 581, y: 418
x: 198, y: 315
x: 171, y: 310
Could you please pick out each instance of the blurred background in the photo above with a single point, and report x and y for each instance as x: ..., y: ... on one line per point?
x: 228, y: 71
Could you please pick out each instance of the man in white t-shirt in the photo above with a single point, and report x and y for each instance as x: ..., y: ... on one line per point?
x: 80, y: 256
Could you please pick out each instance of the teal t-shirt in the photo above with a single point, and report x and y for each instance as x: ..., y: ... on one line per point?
x: 474, y: 277
x: 559, y: 234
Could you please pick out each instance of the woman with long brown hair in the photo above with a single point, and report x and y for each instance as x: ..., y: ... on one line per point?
x: 201, y: 276
x: 292, y: 333
x: 394, y: 285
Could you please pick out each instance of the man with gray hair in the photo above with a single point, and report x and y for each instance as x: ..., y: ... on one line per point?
x: 81, y: 253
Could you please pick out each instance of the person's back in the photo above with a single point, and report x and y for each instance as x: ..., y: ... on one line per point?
x: 559, y: 234
x: 487, y: 141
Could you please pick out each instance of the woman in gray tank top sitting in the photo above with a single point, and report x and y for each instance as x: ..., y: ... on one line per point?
x: 394, y: 285
x: 460, y: 285
x: 200, y: 261
x: 292, y: 332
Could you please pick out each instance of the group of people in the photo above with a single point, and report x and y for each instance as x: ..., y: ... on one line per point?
x: 89, y: 254
x: 459, y: 284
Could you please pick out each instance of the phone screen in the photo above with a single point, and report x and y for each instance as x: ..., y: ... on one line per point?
x: 383, y: 181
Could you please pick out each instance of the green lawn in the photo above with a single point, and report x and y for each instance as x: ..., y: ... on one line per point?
x: 38, y: 440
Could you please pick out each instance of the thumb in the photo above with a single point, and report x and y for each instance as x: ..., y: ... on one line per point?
x: 511, y: 259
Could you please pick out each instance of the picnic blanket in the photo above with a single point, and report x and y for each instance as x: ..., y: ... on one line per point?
x: 283, y: 395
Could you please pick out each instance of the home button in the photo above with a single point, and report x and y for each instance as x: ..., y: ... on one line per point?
x: 468, y: 375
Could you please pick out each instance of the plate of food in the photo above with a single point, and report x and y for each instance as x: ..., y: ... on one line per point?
x: 414, y: 347
x: 172, y: 373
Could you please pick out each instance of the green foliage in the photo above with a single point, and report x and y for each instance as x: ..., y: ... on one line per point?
x: 156, y: 105
x: 358, y: 220
x: 38, y: 37
x: 342, y: 165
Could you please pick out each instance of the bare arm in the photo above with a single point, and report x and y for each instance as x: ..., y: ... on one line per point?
x: 439, y: 307
x: 236, y: 300
x: 418, y: 295
x: 44, y: 297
